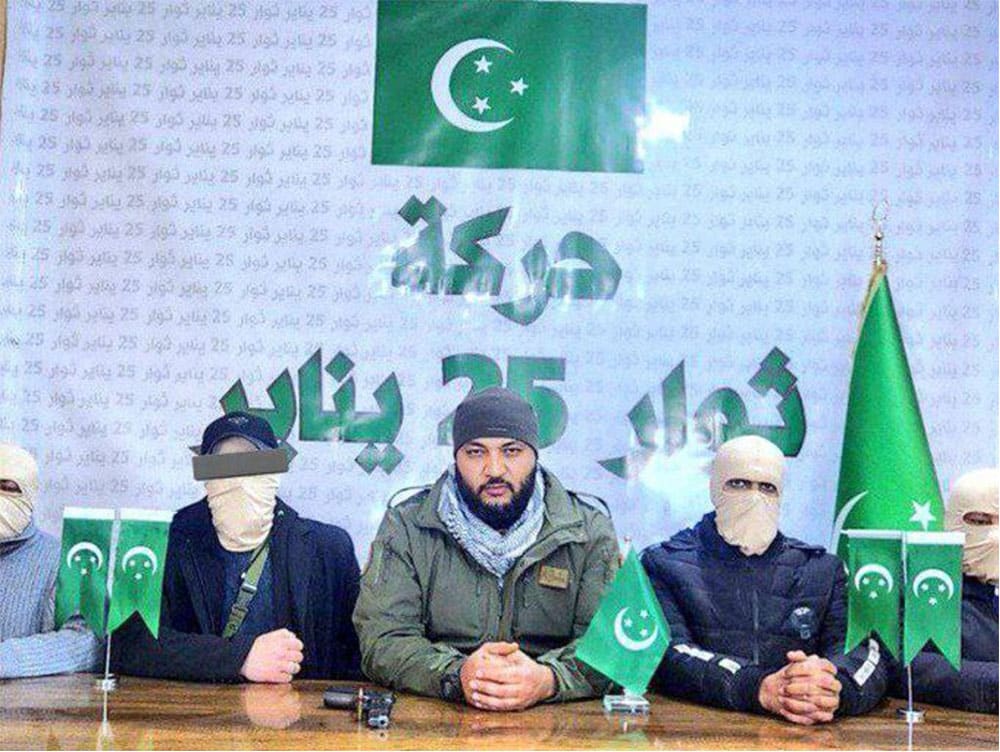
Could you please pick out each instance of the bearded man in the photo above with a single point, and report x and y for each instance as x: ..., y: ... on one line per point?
x: 251, y: 591
x: 478, y: 587
x: 758, y: 619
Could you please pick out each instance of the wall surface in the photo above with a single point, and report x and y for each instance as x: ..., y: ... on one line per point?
x: 190, y: 208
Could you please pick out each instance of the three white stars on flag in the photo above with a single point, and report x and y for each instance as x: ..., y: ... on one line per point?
x: 644, y: 614
x: 482, y: 104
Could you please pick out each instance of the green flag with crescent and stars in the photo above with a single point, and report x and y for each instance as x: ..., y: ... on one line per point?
x: 628, y: 635
x: 932, y: 605
x: 875, y: 583
x: 84, y: 563
x: 887, y: 478
x: 476, y: 83
x: 138, y: 577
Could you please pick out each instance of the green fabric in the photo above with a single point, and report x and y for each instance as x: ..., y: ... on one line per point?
x: 247, y: 591
x: 583, y: 66
x: 84, y: 561
x: 628, y: 635
x: 141, y: 555
x: 425, y: 604
x: 875, y: 577
x: 887, y: 479
x: 932, y: 606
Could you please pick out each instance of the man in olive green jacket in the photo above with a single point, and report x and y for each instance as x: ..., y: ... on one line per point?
x: 478, y: 587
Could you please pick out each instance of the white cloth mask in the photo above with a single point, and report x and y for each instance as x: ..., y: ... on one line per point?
x: 242, y: 509
x: 977, y: 491
x: 747, y: 518
x: 18, y: 465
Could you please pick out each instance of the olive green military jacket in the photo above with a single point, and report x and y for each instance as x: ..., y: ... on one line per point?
x: 425, y: 604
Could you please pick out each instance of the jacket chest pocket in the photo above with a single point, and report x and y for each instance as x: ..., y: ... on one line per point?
x: 459, y: 602
x: 546, y: 601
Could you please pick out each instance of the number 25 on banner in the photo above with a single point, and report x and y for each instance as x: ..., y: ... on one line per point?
x: 522, y: 375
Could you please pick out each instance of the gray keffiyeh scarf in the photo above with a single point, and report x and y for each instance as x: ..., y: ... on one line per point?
x: 494, y: 551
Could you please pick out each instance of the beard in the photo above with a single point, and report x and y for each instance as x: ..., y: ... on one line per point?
x: 500, y: 517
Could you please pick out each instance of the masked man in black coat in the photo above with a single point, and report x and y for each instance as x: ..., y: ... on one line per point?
x: 757, y: 619
x: 297, y: 622
x: 972, y: 509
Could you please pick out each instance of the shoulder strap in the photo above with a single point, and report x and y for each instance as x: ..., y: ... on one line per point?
x: 248, y: 589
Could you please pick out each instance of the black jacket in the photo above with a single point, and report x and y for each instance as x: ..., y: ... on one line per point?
x: 733, y: 617
x: 975, y: 686
x: 316, y: 580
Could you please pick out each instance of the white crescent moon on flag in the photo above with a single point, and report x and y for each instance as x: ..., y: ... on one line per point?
x: 627, y: 642
x: 934, y: 574
x: 441, y: 85
x: 144, y: 551
x: 838, y: 524
x: 877, y: 569
x: 84, y: 546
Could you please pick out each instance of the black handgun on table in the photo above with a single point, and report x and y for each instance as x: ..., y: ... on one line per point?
x: 372, y: 706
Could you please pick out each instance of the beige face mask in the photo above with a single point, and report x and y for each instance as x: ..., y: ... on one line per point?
x: 976, y: 491
x: 747, y: 518
x: 242, y: 509
x: 17, y: 465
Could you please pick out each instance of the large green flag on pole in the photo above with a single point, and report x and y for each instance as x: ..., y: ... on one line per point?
x: 932, y: 606
x: 138, y: 579
x: 477, y: 83
x: 628, y: 635
x: 875, y: 572
x: 887, y: 478
x: 84, y: 565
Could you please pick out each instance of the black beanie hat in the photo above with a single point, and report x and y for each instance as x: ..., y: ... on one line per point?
x: 494, y: 413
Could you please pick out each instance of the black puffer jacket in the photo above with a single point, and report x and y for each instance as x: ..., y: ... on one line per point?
x: 734, y: 617
x: 975, y: 686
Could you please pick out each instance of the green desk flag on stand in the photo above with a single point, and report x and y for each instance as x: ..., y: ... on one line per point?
x: 84, y: 564
x: 138, y: 579
x: 932, y: 605
x: 887, y: 479
x: 476, y: 83
x: 628, y: 635
x: 875, y: 584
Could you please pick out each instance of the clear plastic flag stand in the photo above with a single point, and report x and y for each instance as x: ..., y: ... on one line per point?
x: 910, y: 714
x: 108, y: 682
x: 626, y: 703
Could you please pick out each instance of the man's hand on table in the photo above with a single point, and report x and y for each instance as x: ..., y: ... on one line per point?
x: 498, y: 676
x: 805, y: 691
x: 274, y: 658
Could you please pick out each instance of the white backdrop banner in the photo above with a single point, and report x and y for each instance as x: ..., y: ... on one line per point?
x: 213, y: 205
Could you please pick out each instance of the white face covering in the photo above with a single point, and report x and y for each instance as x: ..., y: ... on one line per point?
x: 976, y: 491
x: 17, y: 465
x: 242, y: 507
x: 747, y: 518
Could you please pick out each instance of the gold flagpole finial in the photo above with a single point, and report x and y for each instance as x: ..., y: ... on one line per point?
x: 880, y: 213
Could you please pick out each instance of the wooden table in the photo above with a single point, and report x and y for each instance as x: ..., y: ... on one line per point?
x: 66, y: 712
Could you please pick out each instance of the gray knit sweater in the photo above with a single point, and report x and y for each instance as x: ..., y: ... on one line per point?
x: 29, y: 643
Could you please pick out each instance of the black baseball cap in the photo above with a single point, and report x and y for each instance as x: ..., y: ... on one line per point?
x: 244, y: 425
